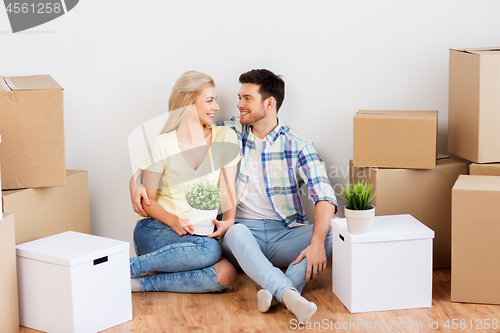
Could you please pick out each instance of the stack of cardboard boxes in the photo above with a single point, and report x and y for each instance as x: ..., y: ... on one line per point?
x: 396, y: 151
x: 8, y: 281
x: 474, y: 134
x: 40, y: 197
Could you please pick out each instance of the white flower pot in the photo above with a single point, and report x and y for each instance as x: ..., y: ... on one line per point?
x: 202, y: 220
x: 359, y: 221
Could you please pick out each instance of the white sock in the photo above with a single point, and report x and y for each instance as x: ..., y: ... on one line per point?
x: 135, y: 283
x: 265, y: 300
x: 300, y: 307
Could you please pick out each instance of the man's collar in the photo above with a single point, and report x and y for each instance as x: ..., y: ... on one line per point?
x: 275, y: 133
x: 271, y: 137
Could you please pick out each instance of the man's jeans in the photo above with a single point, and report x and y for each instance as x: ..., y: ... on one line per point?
x: 185, y: 262
x: 260, y: 246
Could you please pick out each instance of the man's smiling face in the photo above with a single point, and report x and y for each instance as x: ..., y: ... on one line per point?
x: 250, y: 104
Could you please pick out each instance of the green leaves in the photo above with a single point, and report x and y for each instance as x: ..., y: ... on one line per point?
x: 358, y: 196
x: 204, y: 196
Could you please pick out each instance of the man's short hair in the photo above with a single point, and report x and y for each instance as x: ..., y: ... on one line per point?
x: 270, y: 84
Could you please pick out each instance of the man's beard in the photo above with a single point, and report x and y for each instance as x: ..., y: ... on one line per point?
x: 253, y: 117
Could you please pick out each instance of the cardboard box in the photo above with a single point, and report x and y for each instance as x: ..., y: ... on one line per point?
x: 389, y: 268
x: 485, y: 169
x: 474, y: 104
x: 475, y: 268
x: 1, y: 200
x: 395, y: 139
x: 425, y: 194
x: 85, y: 277
x: 42, y: 212
x: 32, y: 127
x: 9, y: 317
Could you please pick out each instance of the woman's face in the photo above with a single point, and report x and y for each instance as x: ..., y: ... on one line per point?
x: 206, y: 105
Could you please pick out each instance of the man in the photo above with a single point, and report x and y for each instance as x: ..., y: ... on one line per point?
x: 271, y: 229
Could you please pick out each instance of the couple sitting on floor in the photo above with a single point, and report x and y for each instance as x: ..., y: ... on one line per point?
x: 264, y: 226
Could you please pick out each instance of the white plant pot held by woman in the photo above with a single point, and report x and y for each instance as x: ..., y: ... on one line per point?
x: 202, y: 220
x: 359, y: 221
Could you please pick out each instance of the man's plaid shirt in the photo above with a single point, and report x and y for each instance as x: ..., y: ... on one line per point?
x: 288, y: 161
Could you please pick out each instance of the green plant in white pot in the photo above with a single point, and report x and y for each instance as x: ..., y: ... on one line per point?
x: 204, y: 200
x: 359, y: 211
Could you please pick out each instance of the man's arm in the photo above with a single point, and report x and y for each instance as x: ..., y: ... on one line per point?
x: 138, y: 192
x: 150, y: 180
x: 235, y: 124
x: 315, y: 253
x: 312, y: 170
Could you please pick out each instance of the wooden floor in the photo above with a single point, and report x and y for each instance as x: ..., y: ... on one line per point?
x: 235, y: 310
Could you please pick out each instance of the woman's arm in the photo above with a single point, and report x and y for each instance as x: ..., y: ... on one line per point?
x: 151, y: 180
x: 138, y: 193
x: 228, y: 202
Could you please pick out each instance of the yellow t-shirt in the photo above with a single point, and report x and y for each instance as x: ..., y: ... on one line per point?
x: 164, y: 156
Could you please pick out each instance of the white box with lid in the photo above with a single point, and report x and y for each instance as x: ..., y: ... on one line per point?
x: 74, y: 282
x: 389, y: 268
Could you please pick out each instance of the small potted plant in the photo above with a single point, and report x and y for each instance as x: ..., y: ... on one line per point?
x: 204, y: 200
x: 359, y: 211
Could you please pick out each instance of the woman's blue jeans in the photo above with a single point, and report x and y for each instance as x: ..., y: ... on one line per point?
x: 185, y: 263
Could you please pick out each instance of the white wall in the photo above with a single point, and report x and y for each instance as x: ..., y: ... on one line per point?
x: 118, y: 60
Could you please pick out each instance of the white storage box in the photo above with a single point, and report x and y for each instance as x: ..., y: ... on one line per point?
x: 389, y: 268
x: 73, y: 282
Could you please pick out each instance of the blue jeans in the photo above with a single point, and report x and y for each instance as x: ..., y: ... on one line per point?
x: 260, y: 246
x: 185, y: 262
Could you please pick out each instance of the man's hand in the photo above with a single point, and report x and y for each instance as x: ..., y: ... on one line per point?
x: 315, y: 255
x: 138, y: 196
x: 222, y: 227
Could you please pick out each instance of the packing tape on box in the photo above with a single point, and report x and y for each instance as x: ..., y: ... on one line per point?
x: 9, y: 83
x: 3, y: 84
x: 9, y: 87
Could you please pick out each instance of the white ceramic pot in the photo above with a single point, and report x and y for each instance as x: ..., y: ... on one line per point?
x: 359, y: 221
x: 202, y: 220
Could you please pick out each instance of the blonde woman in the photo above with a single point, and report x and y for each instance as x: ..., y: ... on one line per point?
x: 189, y: 150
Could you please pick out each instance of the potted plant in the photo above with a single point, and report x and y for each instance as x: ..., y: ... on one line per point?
x: 359, y: 211
x: 204, y: 200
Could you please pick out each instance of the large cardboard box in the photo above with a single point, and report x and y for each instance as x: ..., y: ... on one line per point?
x: 1, y: 200
x: 395, y: 139
x: 425, y: 194
x: 42, y: 212
x: 492, y: 169
x: 32, y: 128
x: 474, y: 104
x: 9, y: 317
x: 475, y: 267
x: 85, y: 277
x: 389, y: 268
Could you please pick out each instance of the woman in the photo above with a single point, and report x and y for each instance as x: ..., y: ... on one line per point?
x: 188, y: 151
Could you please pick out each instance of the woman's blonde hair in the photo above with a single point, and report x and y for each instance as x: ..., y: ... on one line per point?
x: 184, y: 92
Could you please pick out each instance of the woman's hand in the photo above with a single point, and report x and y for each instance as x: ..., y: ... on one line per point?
x: 188, y: 228
x: 180, y: 226
x: 222, y: 227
